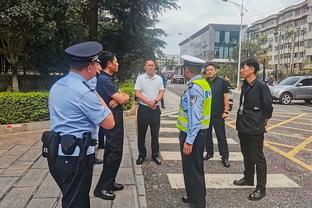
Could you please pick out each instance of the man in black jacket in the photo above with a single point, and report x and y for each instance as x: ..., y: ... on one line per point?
x: 255, y: 109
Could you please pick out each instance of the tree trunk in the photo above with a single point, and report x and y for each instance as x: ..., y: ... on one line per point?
x: 14, y: 79
x: 93, y: 19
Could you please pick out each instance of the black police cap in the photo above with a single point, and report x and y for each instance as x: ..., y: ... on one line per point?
x: 85, y: 52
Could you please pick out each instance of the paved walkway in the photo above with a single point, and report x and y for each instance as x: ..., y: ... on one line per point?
x: 25, y: 180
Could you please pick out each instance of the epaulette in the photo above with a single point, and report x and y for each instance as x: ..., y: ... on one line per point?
x: 190, y: 85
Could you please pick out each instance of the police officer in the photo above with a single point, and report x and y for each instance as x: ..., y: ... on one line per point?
x: 76, y: 112
x: 193, y: 123
x: 109, y: 91
x: 254, y: 112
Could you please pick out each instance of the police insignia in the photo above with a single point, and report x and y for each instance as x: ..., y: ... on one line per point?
x: 193, y: 99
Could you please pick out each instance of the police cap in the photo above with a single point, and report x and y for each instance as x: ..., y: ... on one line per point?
x: 193, y: 61
x: 84, y: 53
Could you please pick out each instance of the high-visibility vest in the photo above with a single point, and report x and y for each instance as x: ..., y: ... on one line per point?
x: 182, y: 123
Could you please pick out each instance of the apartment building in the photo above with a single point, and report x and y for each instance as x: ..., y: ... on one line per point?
x: 286, y: 36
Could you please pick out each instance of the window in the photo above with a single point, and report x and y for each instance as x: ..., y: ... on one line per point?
x: 227, y: 37
x: 217, y: 37
x: 306, y: 82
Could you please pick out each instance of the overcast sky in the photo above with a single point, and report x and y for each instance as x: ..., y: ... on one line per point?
x: 196, y: 14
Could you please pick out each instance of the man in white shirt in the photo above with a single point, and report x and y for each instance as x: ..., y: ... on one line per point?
x: 149, y: 90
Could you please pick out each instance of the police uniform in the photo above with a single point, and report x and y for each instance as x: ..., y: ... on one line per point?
x: 193, y: 123
x: 75, y: 113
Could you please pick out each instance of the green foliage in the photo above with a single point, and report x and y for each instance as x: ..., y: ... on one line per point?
x: 23, y: 107
x: 128, y: 88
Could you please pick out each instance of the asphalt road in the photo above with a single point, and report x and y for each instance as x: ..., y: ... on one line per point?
x: 288, y: 150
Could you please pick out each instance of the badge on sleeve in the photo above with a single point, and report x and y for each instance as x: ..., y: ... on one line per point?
x: 193, y: 99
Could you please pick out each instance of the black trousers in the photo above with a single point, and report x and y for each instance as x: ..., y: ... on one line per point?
x: 75, y: 191
x: 101, y: 135
x: 193, y: 169
x: 148, y: 117
x: 219, y: 127
x: 252, y: 150
x: 162, y: 101
x: 112, y: 153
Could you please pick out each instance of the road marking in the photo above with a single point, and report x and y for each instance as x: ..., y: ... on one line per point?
x: 293, y: 159
x: 170, y: 140
x: 294, y: 128
x: 175, y: 155
x: 173, y: 116
x: 168, y: 122
x: 169, y: 130
x: 299, y: 147
x: 225, y: 181
x: 297, y: 136
x: 285, y: 122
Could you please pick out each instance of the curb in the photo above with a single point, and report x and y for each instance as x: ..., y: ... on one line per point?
x: 138, y: 173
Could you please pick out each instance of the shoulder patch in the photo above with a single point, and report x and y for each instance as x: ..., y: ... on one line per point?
x: 193, y: 99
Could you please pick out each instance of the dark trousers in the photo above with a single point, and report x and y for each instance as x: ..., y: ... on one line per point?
x: 101, y: 135
x: 162, y: 101
x: 148, y: 117
x: 219, y: 127
x: 193, y: 169
x: 75, y: 190
x: 252, y: 150
x: 112, y: 153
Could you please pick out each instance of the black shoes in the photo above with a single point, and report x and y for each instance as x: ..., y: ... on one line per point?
x: 208, y: 156
x: 140, y: 160
x: 104, y: 194
x: 243, y: 182
x: 117, y: 187
x: 256, y: 195
x: 185, y: 199
x: 98, y: 161
x: 226, y: 163
x: 157, y: 160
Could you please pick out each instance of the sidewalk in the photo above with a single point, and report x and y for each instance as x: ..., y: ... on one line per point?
x: 25, y: 181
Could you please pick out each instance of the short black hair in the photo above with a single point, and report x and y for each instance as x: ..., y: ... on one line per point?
x: 105, y: 57
x: 211, y: 64
x: 251, y: 63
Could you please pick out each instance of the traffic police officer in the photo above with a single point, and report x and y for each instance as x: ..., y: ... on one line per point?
x: 193, y: 123
x: 76, y: 112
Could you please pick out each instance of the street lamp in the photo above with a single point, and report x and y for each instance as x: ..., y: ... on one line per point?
x: 242, y: 9
x: 189, y: 42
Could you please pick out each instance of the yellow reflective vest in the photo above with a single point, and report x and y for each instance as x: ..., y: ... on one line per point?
x: 205, y: 121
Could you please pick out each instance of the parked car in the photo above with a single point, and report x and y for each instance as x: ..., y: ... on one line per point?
x: 177, y: 79
x: 293, y: 88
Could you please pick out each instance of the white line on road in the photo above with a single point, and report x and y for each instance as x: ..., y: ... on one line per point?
x: 169, y: 130
x: 172, y: 140
x: 168, y: 122
x: 174, y: 155
x: 222, y: 181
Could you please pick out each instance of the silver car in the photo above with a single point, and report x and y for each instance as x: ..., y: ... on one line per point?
x: 293, y: 88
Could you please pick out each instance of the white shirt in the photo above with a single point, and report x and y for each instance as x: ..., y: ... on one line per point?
x: 149, y: 86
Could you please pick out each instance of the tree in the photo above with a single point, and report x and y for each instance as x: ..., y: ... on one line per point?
x: 21, y: 22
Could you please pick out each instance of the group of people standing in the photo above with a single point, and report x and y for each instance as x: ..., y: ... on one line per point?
x: 87, y: 104
x: 205, y: 105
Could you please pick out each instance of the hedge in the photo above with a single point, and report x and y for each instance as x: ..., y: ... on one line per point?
x: 33, y: 106
x: 23, y: 107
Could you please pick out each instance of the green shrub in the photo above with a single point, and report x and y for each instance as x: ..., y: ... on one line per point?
x: 33, y: 106
x: 23, y: 107
x: 128, y: 88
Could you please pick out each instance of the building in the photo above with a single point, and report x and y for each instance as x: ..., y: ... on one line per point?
x: 286, y: 37
x: 213, y: 43
x: 167, y: 60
